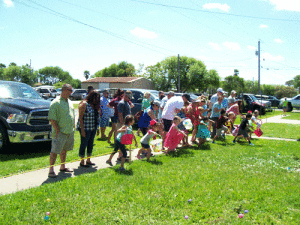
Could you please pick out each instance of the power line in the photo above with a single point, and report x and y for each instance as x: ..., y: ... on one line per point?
x: 204, y: 11
x: 53, y: 12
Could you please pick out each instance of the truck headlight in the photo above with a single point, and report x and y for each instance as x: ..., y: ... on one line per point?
x: 17, y: 118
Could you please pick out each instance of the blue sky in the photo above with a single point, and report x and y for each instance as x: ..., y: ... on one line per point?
x: 91, y: 35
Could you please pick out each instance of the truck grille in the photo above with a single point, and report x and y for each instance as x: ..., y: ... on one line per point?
x: 38, y: 118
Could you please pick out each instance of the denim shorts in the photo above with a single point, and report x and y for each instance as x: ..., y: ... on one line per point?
x: 114, y: 119
x: 104, y: 121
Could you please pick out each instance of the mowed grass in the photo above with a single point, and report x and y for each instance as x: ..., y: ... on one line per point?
x: 221, y: 180
x: 292, y: 116
x: 281, y: 130
x: 24, y: 158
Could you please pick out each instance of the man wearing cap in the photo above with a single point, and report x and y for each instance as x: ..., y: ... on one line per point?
x: 124, y: 108
x: 232, y: 98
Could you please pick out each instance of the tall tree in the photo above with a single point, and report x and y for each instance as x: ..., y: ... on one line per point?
x: 123, y: 69
x: 51, y: 75
x: 86, y: 74
x: 234, y: 82
x: 297, y: 82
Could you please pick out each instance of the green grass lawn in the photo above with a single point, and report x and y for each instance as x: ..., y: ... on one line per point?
x: 16, y: 162
x: 221, y: 180
x: 292, y: 116
x: 281, y: 130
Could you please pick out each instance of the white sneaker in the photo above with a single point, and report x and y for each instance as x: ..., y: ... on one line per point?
x: 251, y: 144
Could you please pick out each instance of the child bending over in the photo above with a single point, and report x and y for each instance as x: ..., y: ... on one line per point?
x: 242, y: 129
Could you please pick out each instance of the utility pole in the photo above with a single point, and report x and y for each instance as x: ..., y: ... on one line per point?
x: 178, y: 89
x: 258, y: 54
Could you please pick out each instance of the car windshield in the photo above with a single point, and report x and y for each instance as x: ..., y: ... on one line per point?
x: 17, y: 90
x: 253, y: 98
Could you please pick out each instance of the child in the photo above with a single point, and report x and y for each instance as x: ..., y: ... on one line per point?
x: 129, y: 121
x: 242, y: 129
x: 230, y: 124
x: 146, y: 139
x: 284, y: 106
x: 174, y: 136
x: 181, y: 127
x: 203, y: 131
x: 221, y: 126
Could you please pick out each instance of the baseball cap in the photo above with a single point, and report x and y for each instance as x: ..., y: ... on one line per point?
x: 233, y: 92
x: 220, y: 90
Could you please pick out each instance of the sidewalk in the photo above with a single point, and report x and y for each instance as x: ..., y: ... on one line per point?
x: 37, y: 178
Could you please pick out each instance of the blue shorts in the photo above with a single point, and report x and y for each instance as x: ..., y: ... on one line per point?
x: 145, y: 145
x: 114, y: 119
x: 104, y: 121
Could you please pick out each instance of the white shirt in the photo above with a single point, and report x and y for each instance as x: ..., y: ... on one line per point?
x: 162, y: 105
x: 173, y: 103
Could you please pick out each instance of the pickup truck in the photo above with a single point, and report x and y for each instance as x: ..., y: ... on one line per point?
x: 23, y: 115
x: 251, y: 103
x: 292, y: 103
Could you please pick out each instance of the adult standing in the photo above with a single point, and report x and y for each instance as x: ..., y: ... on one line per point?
x: 124, y: 108
x: 164, y: 101
x: 62, y: 119
x: 88, y: 125
x: 161, y: 95
x: 216, y: 112
x: 232, y: 98
x: 145, y: 104
x: 171, y: 109
x: 114, y: 120
x: 104, y: 119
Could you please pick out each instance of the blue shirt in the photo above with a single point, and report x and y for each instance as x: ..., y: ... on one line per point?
x: 104, y: 109
x: 216, y: 106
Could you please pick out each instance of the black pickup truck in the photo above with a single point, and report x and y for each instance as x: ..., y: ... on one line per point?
x: 23, y: 115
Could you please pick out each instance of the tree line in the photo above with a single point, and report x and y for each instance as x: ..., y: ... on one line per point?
x: 193, y: 77
x: 49, y: 75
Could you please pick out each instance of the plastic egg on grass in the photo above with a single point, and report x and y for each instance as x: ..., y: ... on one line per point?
x: 47, y: 213
x: 46, y: 218
x: 246, y: 211
x: 186, y: 217
x: 48, y: 199
x: 241, y: 215
x: 189, y: 200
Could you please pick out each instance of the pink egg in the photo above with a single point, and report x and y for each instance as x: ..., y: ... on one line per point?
x: 241, y: 215
x: 47, y: 213
x: 186, y: 217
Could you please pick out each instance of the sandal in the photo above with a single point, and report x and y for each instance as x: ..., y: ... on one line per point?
x: 52, y: 175
x: 109, y: 163
x: 82, y: 165
x: 67, y: 170
x: 90, y: 163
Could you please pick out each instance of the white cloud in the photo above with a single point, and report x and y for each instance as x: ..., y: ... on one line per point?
x: 223, y: 7
x: 268, y: 57
x: 262, y: 26
x: 8, y: 3
x: 278, y: 40
x: 289, y: 5
x: 215, y: 46
x: 139, y: 32
x: 202, y: 57
x: 232, y: 45
x: 250, y: 47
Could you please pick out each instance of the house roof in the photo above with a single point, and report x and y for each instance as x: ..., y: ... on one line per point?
x: 112, y: 80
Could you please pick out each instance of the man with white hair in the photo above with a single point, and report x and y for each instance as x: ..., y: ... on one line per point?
x: 163, y: 103
x: 232, y: 98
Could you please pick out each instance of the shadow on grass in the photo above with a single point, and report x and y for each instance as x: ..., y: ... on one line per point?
x: 25, y: 151
x: 155, y: 162
x: 181, y: 152
x: 127, y: 172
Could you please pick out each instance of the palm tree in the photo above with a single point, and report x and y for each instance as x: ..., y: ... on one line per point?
x: 86, y: 74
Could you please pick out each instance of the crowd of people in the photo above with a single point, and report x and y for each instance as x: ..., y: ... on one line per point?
x: 211, y: 118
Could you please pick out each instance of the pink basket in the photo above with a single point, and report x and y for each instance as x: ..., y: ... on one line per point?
x: 258, y: 132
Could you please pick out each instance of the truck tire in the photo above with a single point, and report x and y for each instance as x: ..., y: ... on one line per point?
x: 3, y: 138
x: 289, y: 107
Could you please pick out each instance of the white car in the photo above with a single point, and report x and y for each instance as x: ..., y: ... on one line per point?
x: 292, y: 102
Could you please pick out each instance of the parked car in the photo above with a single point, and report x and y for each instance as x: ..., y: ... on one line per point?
x: 292, y: 103
x: 78, y: 94
x: 44, y: 92
x: 251, y: 103
x: 274, y: 101
x: 137, y: 98
x: 23, y: 115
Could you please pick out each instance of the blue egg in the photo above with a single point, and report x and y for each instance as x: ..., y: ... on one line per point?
x: 46, y: 218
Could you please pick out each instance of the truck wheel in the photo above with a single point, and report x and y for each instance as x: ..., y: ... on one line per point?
x: 3, y: 138
x: 289, y: 107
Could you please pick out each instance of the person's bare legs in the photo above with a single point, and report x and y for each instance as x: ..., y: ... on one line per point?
x: 63, y: 156
x: 103, y: 132
x: 112, y: 131
x: 53, y: 157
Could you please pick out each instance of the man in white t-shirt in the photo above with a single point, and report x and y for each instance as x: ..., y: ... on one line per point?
x: 163, y: 103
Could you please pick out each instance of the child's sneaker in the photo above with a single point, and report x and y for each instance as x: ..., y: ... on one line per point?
x: 213, y: 142
x: 109, y: 163
x: 122, y: 169
x: 139, y: 157
x: 233, y: 142
x: 251, y: 144
x: 223, y: 135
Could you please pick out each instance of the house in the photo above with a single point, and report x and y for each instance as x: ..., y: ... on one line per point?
x: 118, y: 82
